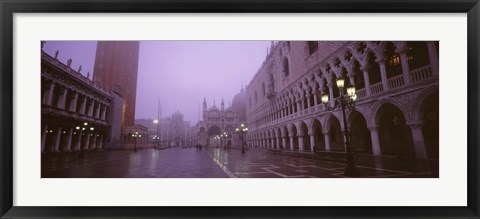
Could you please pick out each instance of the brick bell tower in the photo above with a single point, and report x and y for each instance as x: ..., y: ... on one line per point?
x: 116, y: 67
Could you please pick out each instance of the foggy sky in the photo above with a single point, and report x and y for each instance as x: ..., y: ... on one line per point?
x: 180, y: 73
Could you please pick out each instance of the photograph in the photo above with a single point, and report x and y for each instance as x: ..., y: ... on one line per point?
x: 239, y: 109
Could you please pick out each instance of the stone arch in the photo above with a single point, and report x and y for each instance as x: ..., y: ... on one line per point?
x: 428, y: 115
x: 319, y: 138
x: 214, y: 130
x: 417, y: 54
x: 278, y: 134
x: 373, y: 68
x: 376, y: 106
x: 394, y: 135
x: 360, y: 138
x: 303, y: 131
x: 392, y: 60
x: 335, y: 134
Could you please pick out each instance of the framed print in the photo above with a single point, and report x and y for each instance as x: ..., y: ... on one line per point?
x: 239, y: 109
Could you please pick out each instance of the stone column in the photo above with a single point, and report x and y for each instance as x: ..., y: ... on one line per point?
x: 291, y: 142
x: 93, y: 145
x: 273, y: 142
x: 87, y: 142
x: 315, y: 98
x: 49, y: 96
x: 63, y: 96
x: 90, y: 111
x: 278, y: 143
x: 433, y: 57
x: 73, y: 106
x: 83, y: 107
x: 299, y: 106
x: 100, y: 143
x: 68, y: 147
x: 383, y: 74
x: 312, y: 141
x: 418, y: 141
x: 300, y: 142
x: 405, y: 67
x: 284, y: 142
x: 104, y: 113
x: 327, y: 140
x: 58, y: 136
x: 308, y: 100
x: 97, y: 110
x: 376, y: 149
x: 78, y: 144
x: 366, y: 78
x: 44, y: 137
x: 330, y: 91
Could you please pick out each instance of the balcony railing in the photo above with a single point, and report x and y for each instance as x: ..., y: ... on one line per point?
x: 361, y: 93
x: 376, y: 88
x: 395, y: 82
x: 421, y: 74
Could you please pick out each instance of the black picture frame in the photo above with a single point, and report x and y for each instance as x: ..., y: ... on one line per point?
x: 9, y: 7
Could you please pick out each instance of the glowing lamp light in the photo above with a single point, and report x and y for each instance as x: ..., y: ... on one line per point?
x: 85, y: 124
x: 91, y: 128
x: 155, y: 121
x: 354, y: 97
x: 242, y: 125
x: 340, y: 83
x: 77, y: 128
x: 325, y: 98
x: 351, y: 91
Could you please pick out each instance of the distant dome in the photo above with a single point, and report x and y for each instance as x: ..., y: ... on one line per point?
x: 239, y: 105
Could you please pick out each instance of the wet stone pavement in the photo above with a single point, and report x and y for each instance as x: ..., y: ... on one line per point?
x: 194, y: 163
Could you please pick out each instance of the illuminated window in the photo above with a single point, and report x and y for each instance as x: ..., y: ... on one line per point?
x: 394, y: 61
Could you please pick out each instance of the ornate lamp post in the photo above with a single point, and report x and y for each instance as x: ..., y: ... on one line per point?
x: 242, y: 130
x: 135, y: 136
x: 156, y: 138
x: 224, y: 138
x: 217, y: 139
x: 343, y: 102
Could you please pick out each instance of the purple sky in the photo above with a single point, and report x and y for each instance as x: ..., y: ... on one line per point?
x: 180, y: 73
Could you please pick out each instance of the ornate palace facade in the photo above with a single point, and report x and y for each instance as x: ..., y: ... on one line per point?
x: 396, y: 112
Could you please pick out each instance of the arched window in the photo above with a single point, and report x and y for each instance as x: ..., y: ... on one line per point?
x: 393, y: 66
x: 286, y: 67
x: 312, y: 47
x: 417, y: 55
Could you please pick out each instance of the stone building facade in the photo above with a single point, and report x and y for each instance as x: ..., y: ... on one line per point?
x: 396, y: 112
x: 216, y: 121
x: 76, y: 113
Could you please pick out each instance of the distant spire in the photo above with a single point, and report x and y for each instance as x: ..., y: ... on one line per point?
x: 223, y: 104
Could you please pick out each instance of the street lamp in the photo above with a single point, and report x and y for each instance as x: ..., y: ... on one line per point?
x: 156, y: 136
x: 242, y: 130
x: 224, y: 136
x: 343, y: 102
x: 135, y: 136
x: 217, y: 139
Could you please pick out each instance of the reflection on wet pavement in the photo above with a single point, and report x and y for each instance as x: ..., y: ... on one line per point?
x: 194, y: 163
